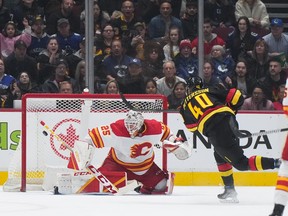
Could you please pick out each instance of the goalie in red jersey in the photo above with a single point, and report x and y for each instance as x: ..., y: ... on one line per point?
x: 281, y: 191
x: 131, y: 141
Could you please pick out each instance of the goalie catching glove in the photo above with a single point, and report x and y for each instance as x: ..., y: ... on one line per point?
x: 180, y: 148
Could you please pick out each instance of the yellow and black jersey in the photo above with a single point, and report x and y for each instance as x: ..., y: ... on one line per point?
x: 201, y: 105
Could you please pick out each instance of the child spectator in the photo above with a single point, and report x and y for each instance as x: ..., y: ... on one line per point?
x: 65, y: 87
x: 278, y: 105
x: 150, y: 86
x: 112, y: 87
x: 11, y: 34
x: 171, y: 49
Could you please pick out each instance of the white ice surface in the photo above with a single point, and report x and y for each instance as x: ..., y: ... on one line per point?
x: 192, y: 201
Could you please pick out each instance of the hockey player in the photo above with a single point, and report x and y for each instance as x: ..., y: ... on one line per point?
x: 131, y: 141
x: 281, y: 191
x: 211, y: 111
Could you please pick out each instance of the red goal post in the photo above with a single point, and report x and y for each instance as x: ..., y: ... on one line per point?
x: 69, y: 116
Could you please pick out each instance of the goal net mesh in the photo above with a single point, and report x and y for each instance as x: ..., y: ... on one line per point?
x: 50, y: 119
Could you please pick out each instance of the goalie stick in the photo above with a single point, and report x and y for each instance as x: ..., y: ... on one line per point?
x: 93, y: 170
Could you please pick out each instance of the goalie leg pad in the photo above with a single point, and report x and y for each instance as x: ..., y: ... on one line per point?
x: 81, y: 156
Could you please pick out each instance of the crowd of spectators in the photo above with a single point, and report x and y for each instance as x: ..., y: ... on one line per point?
x: 141, y: 47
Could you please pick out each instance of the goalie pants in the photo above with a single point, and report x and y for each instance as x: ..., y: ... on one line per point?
x: 149, y: 179
x: 228, y: 153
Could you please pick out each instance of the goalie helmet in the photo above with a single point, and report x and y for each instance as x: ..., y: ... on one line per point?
x: 195, y: 83
x: 133, y: 122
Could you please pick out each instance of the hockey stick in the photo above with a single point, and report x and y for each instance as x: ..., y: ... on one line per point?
x: 93, y: 170
x: 242, y: 135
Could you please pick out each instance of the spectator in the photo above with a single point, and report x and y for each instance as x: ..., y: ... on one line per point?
x: 52, y: 85
x: 39, y: 38
x: 150, y: 86
x: 255, y: 11
x: 125, y: 23
x: 10, y: 35
x: 186, y: 63
x: 19, y: 61
x: 258, y: 63
x: 241, y: 41
x: 274, y: 79
x: 220, y: 12
x: 112, y: 87
x: 47, y: 59
x: 68, y: 40
x: 100, y: 19
x: 65, y: 87
x: 134, y: 82
x: 4, y: 15
x: 208, y: 79
x: 189, y: 20
x: 80, y: 74
x: 223, y: 64
x: 6, y: 83
x: 278, y: 105
x: 257, y: 101
x: 277, y: 40
x: 171, y: 49
x: 65, y: 11
x: 116, y: 65
x: 177, y: 96
x: 166, y: 84
x: 210, y: 39
x: 26, y: 9
x: 104, y: 41
x: 26, y: 85
x: 241, y: 79
x: 159, y: 25
x: 153, y: 60
x: 139, y: 38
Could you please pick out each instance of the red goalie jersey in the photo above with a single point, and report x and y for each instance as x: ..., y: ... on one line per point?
x: 135, y: 154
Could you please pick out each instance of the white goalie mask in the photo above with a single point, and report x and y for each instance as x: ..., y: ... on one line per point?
x: 133, y: 122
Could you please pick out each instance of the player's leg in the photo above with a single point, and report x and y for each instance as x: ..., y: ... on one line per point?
x: 281, y: 191
x: 155, y: 181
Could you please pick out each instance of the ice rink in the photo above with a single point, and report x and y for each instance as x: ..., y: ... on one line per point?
x: 196, y: 201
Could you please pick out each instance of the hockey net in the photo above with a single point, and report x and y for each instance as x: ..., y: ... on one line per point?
x: 69, y: 117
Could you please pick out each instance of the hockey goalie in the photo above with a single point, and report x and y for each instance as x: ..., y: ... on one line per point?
x: 130, y: 159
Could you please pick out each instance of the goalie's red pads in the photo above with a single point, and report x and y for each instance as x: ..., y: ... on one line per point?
x: 72, y: 163
x: 169, y: 185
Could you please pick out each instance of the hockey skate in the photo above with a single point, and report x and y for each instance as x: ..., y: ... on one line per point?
x: 228, y: 196
x: 278, y: 210
x: 277, y: 163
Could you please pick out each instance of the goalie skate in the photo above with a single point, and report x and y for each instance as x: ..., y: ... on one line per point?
x: 228, y: 196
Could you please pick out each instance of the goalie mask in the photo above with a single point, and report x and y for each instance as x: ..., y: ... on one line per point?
x: 133, y: 122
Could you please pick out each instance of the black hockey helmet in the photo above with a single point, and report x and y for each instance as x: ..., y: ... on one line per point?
x: 195, y: 82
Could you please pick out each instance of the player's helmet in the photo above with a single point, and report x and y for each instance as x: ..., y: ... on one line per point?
x: 195, y: 82
x: 133, y: 122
